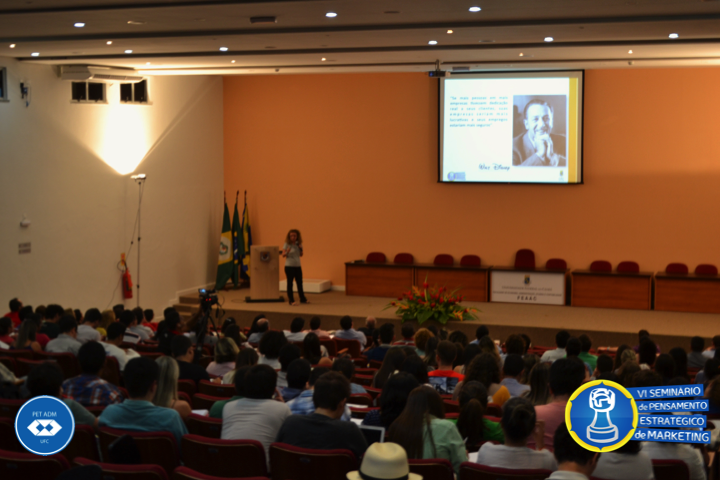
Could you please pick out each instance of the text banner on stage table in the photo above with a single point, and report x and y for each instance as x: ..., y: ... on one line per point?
x: 547, y: 288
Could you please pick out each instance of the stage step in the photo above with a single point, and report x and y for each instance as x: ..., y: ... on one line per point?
x: 310, y: 285
x: 190, y: 299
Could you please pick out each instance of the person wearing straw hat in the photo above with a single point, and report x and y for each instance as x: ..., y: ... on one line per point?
x: 384, y: 461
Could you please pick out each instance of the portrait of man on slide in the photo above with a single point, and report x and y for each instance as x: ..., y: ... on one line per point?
x: 534, y: 145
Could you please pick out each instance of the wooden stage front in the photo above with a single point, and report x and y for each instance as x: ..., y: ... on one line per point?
x: 606, y: 326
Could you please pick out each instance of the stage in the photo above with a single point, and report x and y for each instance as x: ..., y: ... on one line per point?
x: 541, y: 322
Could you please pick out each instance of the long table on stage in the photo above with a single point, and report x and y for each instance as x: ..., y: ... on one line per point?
x: 611, y: 289
x: 528, y: 285
x: 391, y: 279
x: 687, y: 292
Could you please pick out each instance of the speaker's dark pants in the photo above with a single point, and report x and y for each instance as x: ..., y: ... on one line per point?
x: 294, y: 273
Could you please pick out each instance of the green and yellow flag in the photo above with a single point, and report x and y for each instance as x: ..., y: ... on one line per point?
x: 225, y: 261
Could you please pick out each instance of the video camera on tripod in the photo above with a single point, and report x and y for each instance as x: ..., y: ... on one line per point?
x: 208, y: 298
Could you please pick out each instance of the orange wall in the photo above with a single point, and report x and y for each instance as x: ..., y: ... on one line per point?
x: 351, y: 161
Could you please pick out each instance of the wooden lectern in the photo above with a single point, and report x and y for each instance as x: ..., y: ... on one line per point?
x: 264, y: 275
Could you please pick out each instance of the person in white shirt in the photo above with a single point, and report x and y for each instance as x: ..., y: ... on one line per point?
x: 710, y: 352
x: 628, y: 462
x: 561, y: 339
x: 87, y: 331
x: 65, y: 342
x: 127, y: 318
x: 574, y: 461
x: 296, y: 334
x: 115, y: 334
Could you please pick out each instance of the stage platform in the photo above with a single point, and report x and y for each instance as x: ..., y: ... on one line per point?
x: 540, y: 322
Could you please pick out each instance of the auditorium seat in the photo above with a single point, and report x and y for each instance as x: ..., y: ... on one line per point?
x: 556, y: 264
x: 185, y: 473
x: 361, y: 412
x: 404, y: 258
x: 215, y: 389
x: 204, y: 426
x: 494, y: 410
x: 10, y: 407
x: 127, y: 472
x: 67, y: 361
x: 9, y: 362
x: 187, y: 386
x: 671, y: 470
x: 111, y: 371
x: 28, y: 466
x: 525, y: 258
x: 224, y: 458
x: 475, y: 471
x: 150, y: 355
x: 156, y: 448
x: 8, y: 439
x: 364, y: 380
x: 353, y: 347
x: 330, y: 345
x: 444, y: 259
x: 470, y: 261
x: 288, y: 462
x: 706, y: 269
x: 24, y: 365
x: 376, y: 257
x: 96, y: 409
x: 628, y: 267
x: 204, y: 402
x: 676, y: 268
x: 451, y: 406
x: 364, y: 399
x: 83, y: 444
x: 432, y: 468
x: 601, y: 266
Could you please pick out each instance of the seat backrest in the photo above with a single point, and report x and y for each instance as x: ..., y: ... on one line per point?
x: 470, y: 261
x: 203, y: 426
x: 185, y: 473
x: 361, y: 412
x: 24, y: 365
x: 8, y: 439
x: 376, y: 257
x: 405, y: 258
x: 204, y: 402
x: 601, y: 266
x: 361, y: 399
x: 224, y: 458
x: 353, y: 346
x: 23, y: 465
x: 67, y: 361
x: 156, y: 448
x: 706, y: 269
x: 330, y: 345
x: 676, y: 268
x: 556, y: 264
x: 83, y: 444
x: 432, y: 468
x: 443, y: 259
x: 216, y: 389
x: 494, y: 410
x: 670, y: 470
x: 187, y: 386
x: 127, y: 472
x: 111, y: 371
x: 294, y: 463
x: 451, y: 406
x: 628, y: 267
x: 475, y: 471
x: 10, y: 407
x: 525, y: 258
x: 364, y: 380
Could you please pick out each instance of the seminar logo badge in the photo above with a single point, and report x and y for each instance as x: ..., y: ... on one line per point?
x: 601, y: 416
x: 44, y: 425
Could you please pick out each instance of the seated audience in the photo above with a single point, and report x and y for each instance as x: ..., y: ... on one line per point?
x: 518, y: 423
x: 65, y: 342
x: 391, y: 363
x: 216, y: 411
x: 628, y: 462
x: 25, y: 339
x: 183, y: 352
x: 415, y: 366
x: 386, y: 335
x: 408, y: 332
x: 369, y: 329
x: 626, y: 373
x: 47, y: 379
x: 647, y: 353
x: 303, y: 403
x: 444, y: 379
x: 313, y: 350
x: 421, y: 429
x: 529, y: 362
x: 512, y: 371
x: 514, y: 345
x: 315, y: 328
x: 421, y: 338
x: 87, y: 331
x: 696, y: 359
x: 468, y: 355
x: 138, y: 413
x: 472, y: 424
x: 257, y: 416
x: 148, y: 317
x: 225, y: 352
x: 645, y: 335
x: 573, y: 349
x: 323, y: 429
x: 14, y: 313
x: 710, y: 352
x: 430, y: 357
x: 346, y: 366
x: 258, y: 328
x: 108, y: 317
x: 585, y: 355
x: 539, y: 381
x: 458, y: 337
x: 233, y: 333
x: 480, y: 332
x: 604, y: 368
x: 146, y: 333
x: 574, y: 462
x: 288, y: 353
x: 347, y: 332
x: 269, y: 348
x: 247, y: 357
x: 665, y: 366
x: 298, y: 376
x: 167, y: 389
x: 679, y: 355
x: 167, y: 330
x: 6, y: 328
x: 561, y: 339
x: 88, y: 388
x: 128, y: 318
x: 485, y: 369
x: 384, y: 461
x: 115, y: 335
x: 296, y: 334
x: 52, y: 315
x: 392, y: 400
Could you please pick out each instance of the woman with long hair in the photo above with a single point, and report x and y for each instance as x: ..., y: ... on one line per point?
x: 430, y: 352
x: 415, y: 366
x: 26, y: 337
x: 530, y: 360
x: 392, y: 400
x: 421, y: 429
x: 246, y: 358
x: 472, y: 424
x: 393, y: 360
x: 107, y: 317
x: 166, y: 394
x: 539, y: 381
x: 225, y: 352
x: 470, y: 352
x: 313, y: 351
x: 270, y: 345
x: 233, y: 331
x: 292, y: 251
x: 484, y: 368
x: 618, y: 356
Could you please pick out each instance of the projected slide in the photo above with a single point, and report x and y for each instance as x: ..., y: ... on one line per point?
x: 511, y: 128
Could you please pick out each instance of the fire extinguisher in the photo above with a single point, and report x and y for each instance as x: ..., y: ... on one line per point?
x: 126, y: 279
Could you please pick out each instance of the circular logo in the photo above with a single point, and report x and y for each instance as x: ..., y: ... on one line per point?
x: 44, y: 425
x: 601, y: 416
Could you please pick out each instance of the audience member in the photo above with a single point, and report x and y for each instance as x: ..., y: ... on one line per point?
x: 270, y: 345
x: 224, y: 361
x: 665, y: 366
x: 585, y: 355
x: 480, y: 332
x: 46, y: 379
x: 574, y: 462
x: 312, y: 349
x: 573, y: 349
x: 138, y: 413
x: 515, y: 345
x: 444, y: 379
x: 146, y: 333
x: 369, y: 329
x: 386, y: 335
x: 512, y: 371
x: 26, y: 337
x: 298, y: 376
x: 384, y: 461
x: 472, y: 424
x: 115, y: 335
x: 6, y: 328
x: 216, y: 411
x: 469, y: 354
x: 233, y: 333
x: 347, y: 332
x: 288, y: 353
x: 626, y: 463
x: 696, y: 359
x: 603, y: 366
x: 626, y: 373
x: 458, y: 337
x: 296, y: 334
x: 430, y: 357
x: 539, y: 382
x: 88, y: 388
x: 87, y: 331
x: 167, y: 330
x: 710, y: 352
x: 14, y: 313
x: 148, y: 317
x: 561, y: 339
x: 518, y: 423
x: 529, y: 362
x: 52, y: 315
x: 647, y: 352
x: 258, y: 328
x: 528, y: 343
x: 108, y: 317
x: 392, y: 400
x: 128, y: 318
x: 303, y: 403
x: 315, y: 328
x: 484, y: 368
x: 184, y: 353
x: 421, y: 338
x: 415, y: 366
x: 247, y: 357
x: 391, y: 363
x: 166, y: 394
x: 322, y: 429
x: 645, y: 335
x: 679, y: 355
x: 618, y: 356
x: 408, y: 332
x: 346, y: 366
x: 65, y: 342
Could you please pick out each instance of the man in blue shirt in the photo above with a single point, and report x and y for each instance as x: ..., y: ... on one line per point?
x: 349, y: 333
x: 138, y: 412
x: 387, y: 334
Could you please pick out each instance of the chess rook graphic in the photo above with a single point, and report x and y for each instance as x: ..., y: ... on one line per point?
x: 602, y: 430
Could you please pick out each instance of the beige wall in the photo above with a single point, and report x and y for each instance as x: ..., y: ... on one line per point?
x: 351, y: 161
x: 53, y: 168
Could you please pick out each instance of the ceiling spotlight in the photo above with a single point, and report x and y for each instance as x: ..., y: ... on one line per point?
x: 630, y: 51
x: 474, y: 9
x: 673, y: 35
x: 449, y: 31
x: 232, y: 61
x: 549, y: 39
x: 147, y: 63
x: 136, y: 22
x: 79, y: 25
x: 521, y: 54
x: 128, y: 51
x: 223, y: 49
x: 331, y: 14
x: 432, y: 42
x: 109, y: 42
x: 35, y: 54
x: 323, y: 59
x: 12, y: 45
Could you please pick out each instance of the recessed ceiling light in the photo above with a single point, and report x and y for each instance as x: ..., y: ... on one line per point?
x: 79, y: 25
x: 147, y: 63
x: 521, y: 54
x: 223, y: 49
x: 432, y: 42
x: 136, y: 22
x: 449, y: 31
x: 35, y: 54
x: 630, y: 51
x: 323, y: 59
x: 549, y: 39
x: 233, y: 61
x: 128, y: 51
x: 331, y: 14
x: 109, y: 42
x: 12, y: 45
x: 673, y: 35
x: 474, y: 9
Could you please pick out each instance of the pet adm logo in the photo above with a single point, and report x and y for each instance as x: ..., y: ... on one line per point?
x: 48, y: 428
x: 44, y: 425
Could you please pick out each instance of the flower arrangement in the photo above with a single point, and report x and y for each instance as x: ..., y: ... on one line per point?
x: 431, y: 303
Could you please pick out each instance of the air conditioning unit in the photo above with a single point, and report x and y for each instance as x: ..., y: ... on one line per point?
x: 86, y: 73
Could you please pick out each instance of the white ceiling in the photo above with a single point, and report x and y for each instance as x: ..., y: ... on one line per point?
x: 171, y: 37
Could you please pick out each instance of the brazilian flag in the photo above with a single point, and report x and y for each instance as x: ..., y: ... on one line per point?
x: 225, y: 261
x: 247, y: 241
x: 238, y: 245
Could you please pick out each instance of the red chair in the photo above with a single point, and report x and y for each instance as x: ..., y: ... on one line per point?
x: 28, y: 466
x: 451, y: 406
x: 706, y: 269
x: 364, y: 380
x: 127, y: 472
x: 671, y: 470
x: 353, y: 346
x: 9, y: 408
x: 8, y: 439
x: 111, y: 371
x: 525, y: 258
x: 224, y: 458
x: 470, y: 261
x: 432, y: 469
x: 216, y: 389
x: 330, y: 345
x: 83, y: 444
x: 24, y: 365
x: 204, y: 402
x: 364, y: 399
x: 376, y: 257
x: 475, y: 471
x: 185, y: 473
x: 556, y: 264
x: 600, y: 266
x: 207, y: 427
x: 96, y: 410
x: 628, y: 267
x: 150, y: 355
x: 67, y: 361
x: 444, y: 259
x: 361, y: 412
x: 9, y: 362
x: 29, y: 354
x: 676, y: 268
x: 404, y: 258
x: 294, y: 463
x: 156, y: 448
x: 494, y: 410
